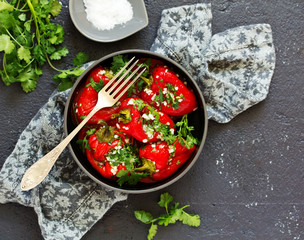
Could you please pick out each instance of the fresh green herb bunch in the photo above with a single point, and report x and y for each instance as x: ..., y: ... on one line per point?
x: 28, y: 39
x: 171, y: 216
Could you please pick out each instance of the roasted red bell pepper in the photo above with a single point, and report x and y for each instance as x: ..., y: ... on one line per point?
x: 161, y: 159
x: 100, y: 144
x: 168, y: 93
x: 142, y: 121
x: 88, y: 98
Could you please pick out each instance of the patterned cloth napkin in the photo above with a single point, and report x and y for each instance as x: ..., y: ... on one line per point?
x: 233, y: 69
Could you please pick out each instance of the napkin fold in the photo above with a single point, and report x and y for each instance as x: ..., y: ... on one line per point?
x: 232, y: 68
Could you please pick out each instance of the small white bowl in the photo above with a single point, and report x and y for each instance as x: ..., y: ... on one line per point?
x: 137, y: 23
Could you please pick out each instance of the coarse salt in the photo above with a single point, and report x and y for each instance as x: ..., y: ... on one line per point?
x: 105, y: 14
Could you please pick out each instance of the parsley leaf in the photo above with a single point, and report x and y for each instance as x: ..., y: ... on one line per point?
x: 66, y: 78
x: 24, y: 54
x: 152, y: 231
x: 118, y: 62
x: 28, y: 79
x: 130, y: 177
x: 59, y: 54
x: 143, y: 216
x: 55, y: 8
x: 84, y: 144
x: 170, y: 217
x: 190, y: 219
x: 6, y: 44
x: 6, y: 6
x: 127, y: 155
x: 165, y: 200
x: 80, y: 59
x: 96, y: 85
x: 147, y: 65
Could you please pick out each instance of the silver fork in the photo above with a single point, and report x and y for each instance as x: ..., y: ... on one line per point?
x: 107, y: 97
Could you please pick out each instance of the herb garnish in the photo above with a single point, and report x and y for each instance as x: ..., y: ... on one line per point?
x: 130, y: 177
x: 168, y: 95
x: 120, y: 61
x: 185, y: 136
x: 128, y: 156
x: 29, y: 39
x: 84, y: 143
x: 170, y: 217
x: 96, y: 85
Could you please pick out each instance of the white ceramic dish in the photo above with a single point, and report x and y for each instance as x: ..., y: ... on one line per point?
x: 79, y: 18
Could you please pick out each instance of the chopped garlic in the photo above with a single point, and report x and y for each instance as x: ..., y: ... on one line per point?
x: 131, y: 102
x: 151, y: 116
x: 102, y: 72
x: 148, y: 91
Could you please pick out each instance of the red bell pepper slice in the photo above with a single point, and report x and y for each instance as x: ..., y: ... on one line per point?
x: 167, y: 159
x: 168, y: 93
x: 89, y: 96
x: 101, y: 143
x: 142, y: 121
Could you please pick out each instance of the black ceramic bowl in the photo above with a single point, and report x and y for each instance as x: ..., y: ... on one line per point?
x: 198, y: 119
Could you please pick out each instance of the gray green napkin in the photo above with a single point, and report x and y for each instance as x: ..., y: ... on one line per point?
x: 233, y: 69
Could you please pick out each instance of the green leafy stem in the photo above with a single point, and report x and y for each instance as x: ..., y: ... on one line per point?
x: 26, y: 49
x: 171, y: 216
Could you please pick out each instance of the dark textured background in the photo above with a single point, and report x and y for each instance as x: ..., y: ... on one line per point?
x: 248, y: 182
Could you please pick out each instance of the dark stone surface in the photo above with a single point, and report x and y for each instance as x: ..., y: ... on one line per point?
x: 248, y: 182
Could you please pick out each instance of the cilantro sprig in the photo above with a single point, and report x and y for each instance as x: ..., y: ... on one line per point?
x: 29, y: 40
x: 172, y: 215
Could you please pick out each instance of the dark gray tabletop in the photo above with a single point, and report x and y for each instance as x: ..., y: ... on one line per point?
x: 248, y: 182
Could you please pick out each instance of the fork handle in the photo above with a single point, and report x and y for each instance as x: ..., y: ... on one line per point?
x: 40, y: 169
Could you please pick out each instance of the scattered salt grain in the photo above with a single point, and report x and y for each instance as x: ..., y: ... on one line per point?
x: 105, y: 14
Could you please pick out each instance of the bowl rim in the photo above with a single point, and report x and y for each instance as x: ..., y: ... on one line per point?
x: 199, y: 150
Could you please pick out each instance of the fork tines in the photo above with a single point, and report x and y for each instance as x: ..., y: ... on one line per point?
x: 114, y: 89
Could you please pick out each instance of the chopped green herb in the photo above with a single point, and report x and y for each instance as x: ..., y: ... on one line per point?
x: 130, y: 177
x: 127, y: 155
x: 155, y: 124
x: 168, y: 95
x: 96, y: 85
x: 140, y: 104
x: 140, y: 84
x: 84, y: 144
x: 80, y: 59
x: 185, y: 136
x: 91, y: 131
x: 160, y: 95
x: 120, y: 61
